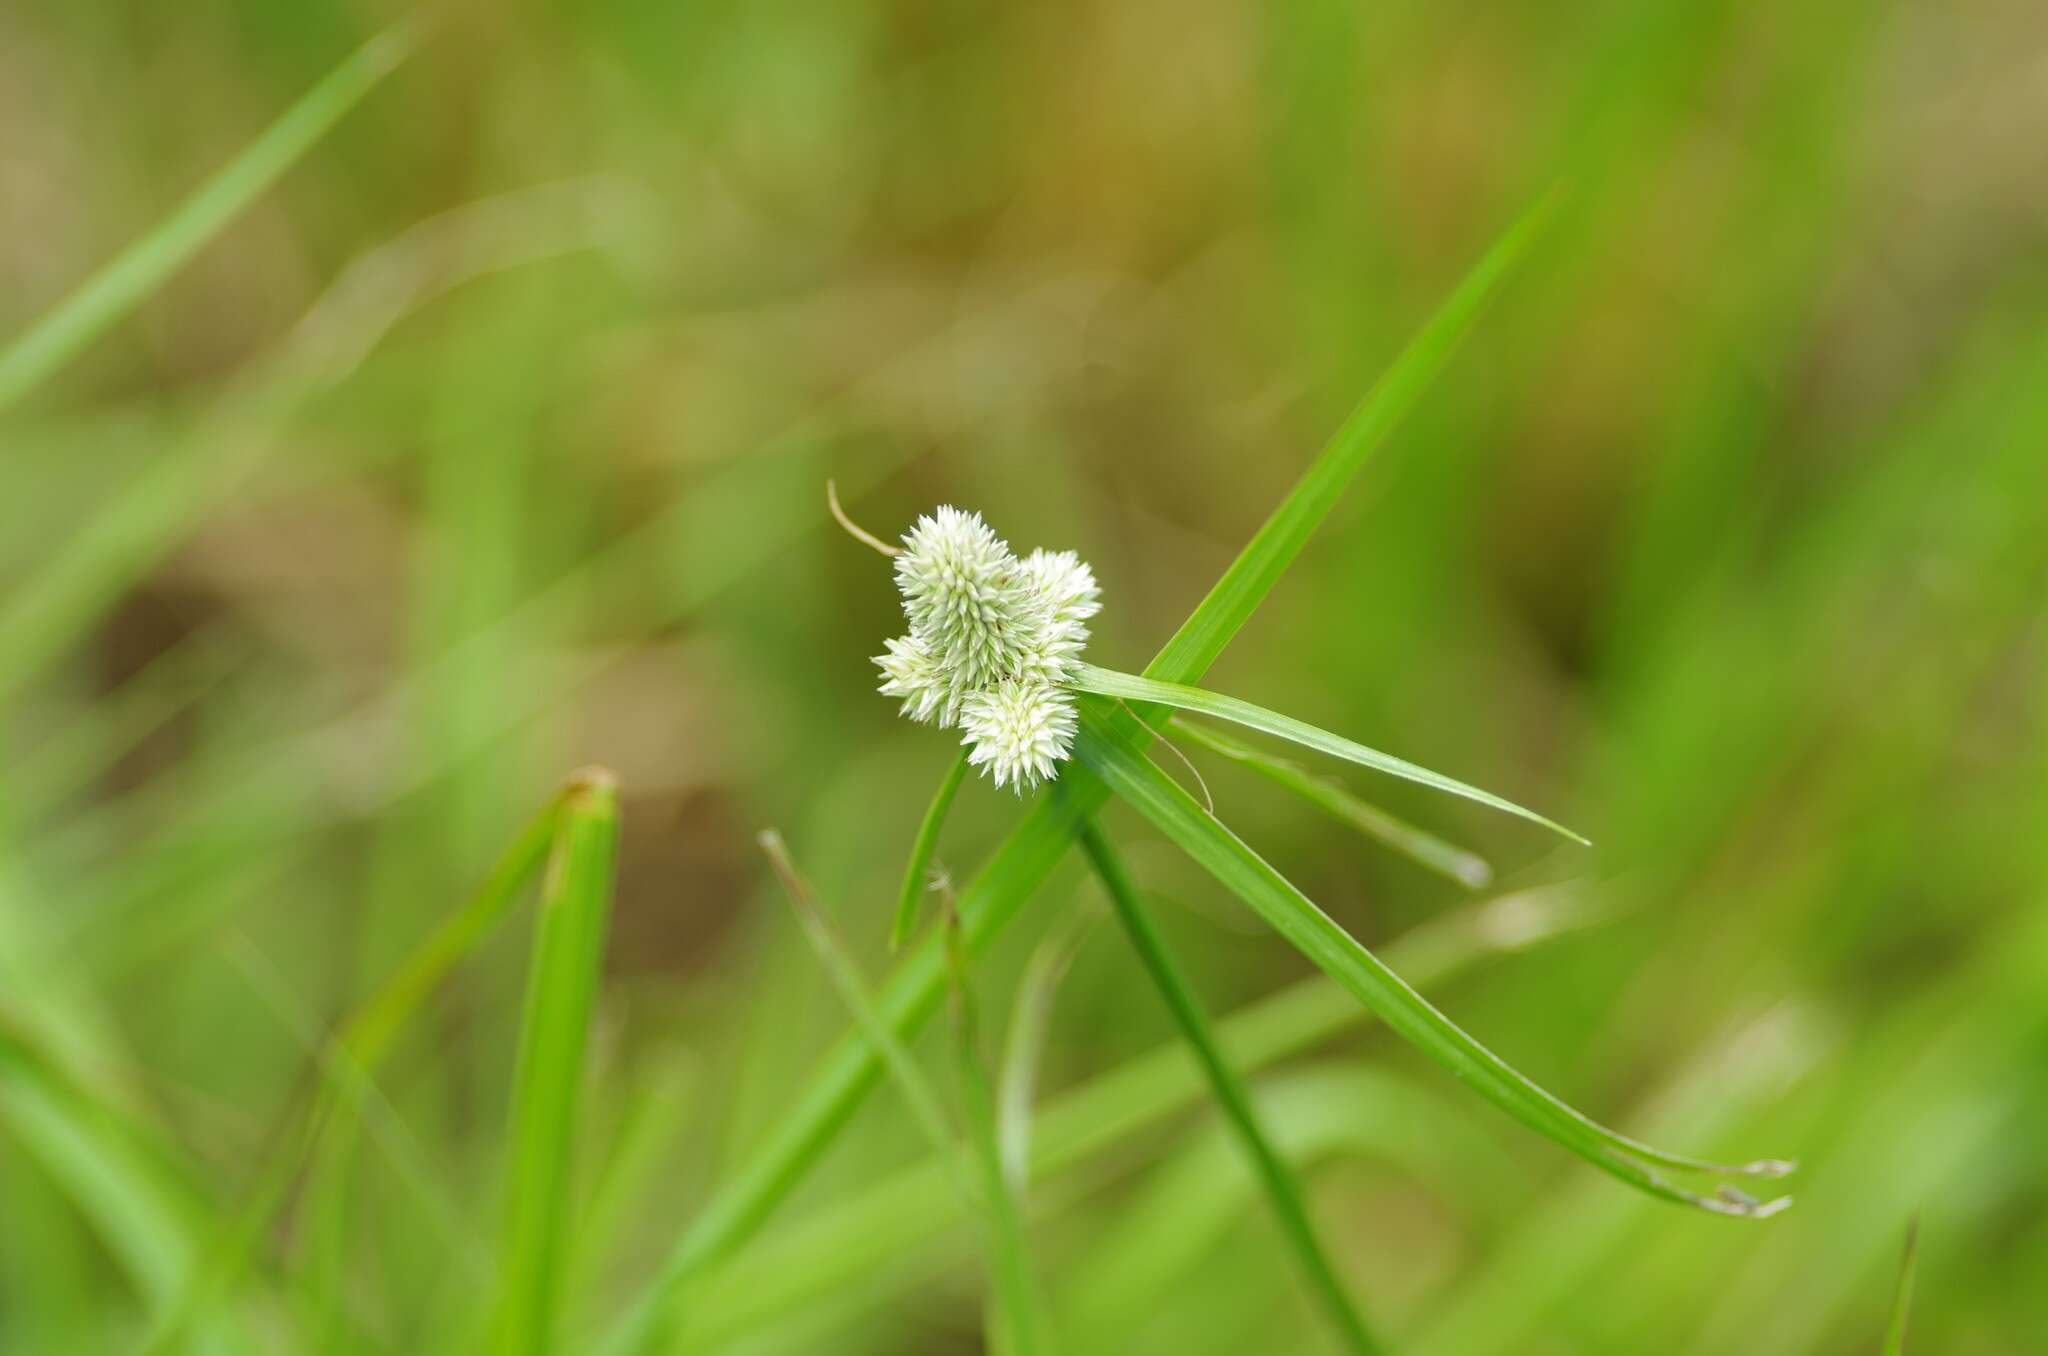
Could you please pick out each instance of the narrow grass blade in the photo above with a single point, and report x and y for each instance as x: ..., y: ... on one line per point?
x: 918, y: 1093
x: 1015, y: 1323
x: 1231, y: 602
x: 1012, y: 1282
x: 914, y: 883
x: 1902, y: 1294
x: 568, y: 955
x: 1418, y: 845
x: 1131, y: 775
x: 1027, y: 857
x: 1132, y: 687
x: 139, y: 270
x: 1283, y: 1193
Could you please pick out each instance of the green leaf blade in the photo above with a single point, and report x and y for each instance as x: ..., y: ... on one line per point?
x: 568, y: 956
x: 1134, y: 687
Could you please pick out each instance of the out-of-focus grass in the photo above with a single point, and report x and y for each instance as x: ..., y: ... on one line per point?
x: 1725, y: 542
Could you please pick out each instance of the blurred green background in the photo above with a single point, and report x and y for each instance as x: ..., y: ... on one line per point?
x: 491, y: 442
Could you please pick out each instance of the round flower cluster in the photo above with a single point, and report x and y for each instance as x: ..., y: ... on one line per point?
x: 993, y: 642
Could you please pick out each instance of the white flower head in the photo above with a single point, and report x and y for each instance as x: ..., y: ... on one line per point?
x: 994, y: 641
x: 962, y: 592
x: 1018, y: 730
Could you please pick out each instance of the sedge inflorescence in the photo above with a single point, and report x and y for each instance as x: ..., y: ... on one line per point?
x: 993, y: 644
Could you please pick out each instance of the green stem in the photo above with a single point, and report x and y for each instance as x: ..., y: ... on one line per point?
x: 914, y: 883
x: 1282, y: 1191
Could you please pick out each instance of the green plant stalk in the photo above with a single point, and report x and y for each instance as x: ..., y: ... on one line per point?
x: 914, y: 883
x: 1023, y: 861
x: 568, y: 955
x: 139, y: 270
x: 1283, y: 1193
x: 1134, y: 687
x: 1419, y: 845
x: 1117, y: 759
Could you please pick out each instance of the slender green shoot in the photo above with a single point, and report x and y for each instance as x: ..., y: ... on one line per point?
x: 1113, y: 756
x: 1283, y: 1192
x: 1015, y: 1325
x: 1467, y: 868
x: 103, y: 299
x: 915, y: 881
x: 568, y: 957
x: 1134, y: 687
x: 1902, y: 1294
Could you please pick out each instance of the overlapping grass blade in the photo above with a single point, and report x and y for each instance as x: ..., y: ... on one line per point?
x: 1123, y: 766
x: 1024, y: 860
x: 1467, y: 868
x: 144, y: 266
x: 1283, y: 1193
x: 1134, y: 687
x: 547, y: 1092
x: 914, y: 882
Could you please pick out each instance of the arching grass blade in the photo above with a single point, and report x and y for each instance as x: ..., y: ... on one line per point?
x: 1133, y: 687
x: 1112, y: 756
